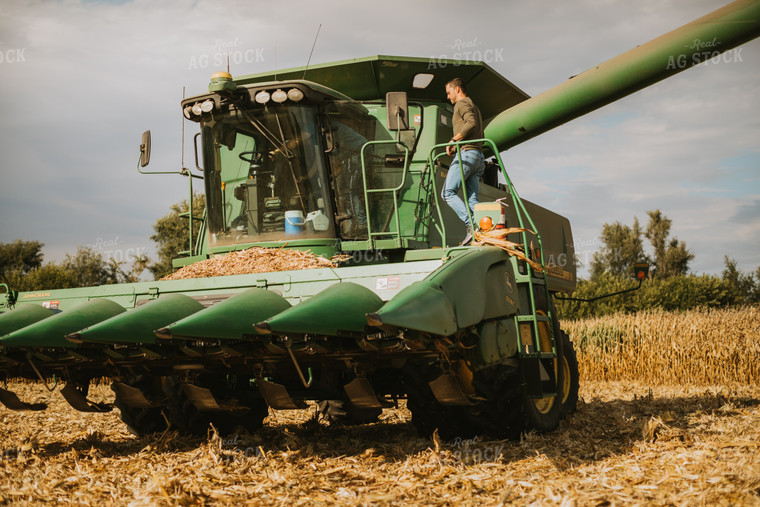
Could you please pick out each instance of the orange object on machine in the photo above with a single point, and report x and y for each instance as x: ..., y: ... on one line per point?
x: 485, y: 224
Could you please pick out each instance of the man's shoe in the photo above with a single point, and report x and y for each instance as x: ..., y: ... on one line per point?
x: 467, y: 237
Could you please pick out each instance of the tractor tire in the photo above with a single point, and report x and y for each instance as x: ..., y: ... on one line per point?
x: 428, y: 415
x: 500, y: 414
x: 343, y: 412
x: 544, y: 414
x: 186, y: 417
x: 571, y: 382
x: 142, y: 421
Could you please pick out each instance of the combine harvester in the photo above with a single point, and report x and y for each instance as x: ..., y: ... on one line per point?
x: 350, y: 162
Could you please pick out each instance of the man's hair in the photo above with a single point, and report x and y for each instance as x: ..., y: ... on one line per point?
x: 457, y: 82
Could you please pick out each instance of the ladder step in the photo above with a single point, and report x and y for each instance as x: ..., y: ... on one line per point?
x: 531, y: 318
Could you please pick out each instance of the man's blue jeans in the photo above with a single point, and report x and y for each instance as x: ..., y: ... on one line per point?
x: 473, y: 165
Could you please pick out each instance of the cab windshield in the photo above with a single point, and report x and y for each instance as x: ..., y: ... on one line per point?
x: 265, y: 176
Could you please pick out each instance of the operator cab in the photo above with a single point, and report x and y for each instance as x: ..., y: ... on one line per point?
x: 282, y: 162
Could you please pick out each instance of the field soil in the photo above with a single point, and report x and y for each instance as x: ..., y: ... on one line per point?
x: 628, y: 443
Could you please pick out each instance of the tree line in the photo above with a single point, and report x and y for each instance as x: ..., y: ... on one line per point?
x: 670, y: 286
x: 22, y: 267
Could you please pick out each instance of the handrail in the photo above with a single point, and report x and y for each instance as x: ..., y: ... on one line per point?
x: 182, y: 172
x: 522, y: 217
x: 521, y: 210
x: 431, y: 163
x: 393, y: 190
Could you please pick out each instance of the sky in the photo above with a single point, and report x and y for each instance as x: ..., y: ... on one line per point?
x: 81, y: 80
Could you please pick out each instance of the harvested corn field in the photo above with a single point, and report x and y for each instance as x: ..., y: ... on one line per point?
x: 627, y: 443
x: 702, y: 347
x: 630, y: 442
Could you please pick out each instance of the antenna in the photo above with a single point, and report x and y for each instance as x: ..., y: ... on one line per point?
x: 182, y: 154
x: 312, y: 51
x: 228, y: 62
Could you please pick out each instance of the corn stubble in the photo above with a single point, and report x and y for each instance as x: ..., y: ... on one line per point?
x: 636, y: 440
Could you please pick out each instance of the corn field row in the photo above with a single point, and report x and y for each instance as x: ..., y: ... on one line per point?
x: 702, y: 347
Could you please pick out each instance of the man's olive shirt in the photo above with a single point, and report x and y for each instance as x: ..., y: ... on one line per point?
x: 467, y: 121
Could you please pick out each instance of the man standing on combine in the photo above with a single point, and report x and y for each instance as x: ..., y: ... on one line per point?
x: 467, y: 125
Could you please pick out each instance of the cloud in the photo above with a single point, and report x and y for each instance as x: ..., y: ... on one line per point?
x: 96, y: 74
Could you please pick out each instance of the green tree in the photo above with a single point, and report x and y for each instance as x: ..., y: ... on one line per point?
x: 84, y: 269
x: 742, y: 286
x: 671, y: 256
x: 677, y: 258
x: 172, y: 234
x: 657, y: 233
x: 89, y: 268
x: 50, y: 275
x: 18, y: 258
x: 622, y: 246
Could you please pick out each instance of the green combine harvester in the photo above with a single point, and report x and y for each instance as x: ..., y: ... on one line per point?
x: 348, y: 159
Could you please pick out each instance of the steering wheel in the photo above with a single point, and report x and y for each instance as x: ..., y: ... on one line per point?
x: 252, y: 157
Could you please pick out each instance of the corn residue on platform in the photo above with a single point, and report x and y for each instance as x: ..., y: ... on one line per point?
x: 253, y: 260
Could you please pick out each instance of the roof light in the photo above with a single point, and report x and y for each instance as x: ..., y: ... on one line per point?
x: 262, y: 97
x: 207, y: 106
x: 295, y: 95
x: 197, y: 109
x: 422, y: 80
x: 188, y: 111
x: 279, y: 96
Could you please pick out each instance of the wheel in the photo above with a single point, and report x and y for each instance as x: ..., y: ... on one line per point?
x: 427, y: 414
x: 143, y: 421
x: 571, y: 382
x: 186, y: 417
x: 346, y: 413
x: 544, y: 414
x: 500, y: 414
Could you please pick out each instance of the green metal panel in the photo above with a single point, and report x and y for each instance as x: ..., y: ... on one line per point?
x: 497, y: 340
x: 22, y: 316
x: 468, y: 288
x: 230, y: 319
x: 372, y: 77
x: 338, y: 309
x: 138, y: 325
x: 50, y: 332
x: 420, y: 307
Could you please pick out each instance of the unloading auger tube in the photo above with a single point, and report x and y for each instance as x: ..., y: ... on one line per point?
x: 336, y: 164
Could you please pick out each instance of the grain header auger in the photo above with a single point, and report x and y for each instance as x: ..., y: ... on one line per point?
x: 348, y: 158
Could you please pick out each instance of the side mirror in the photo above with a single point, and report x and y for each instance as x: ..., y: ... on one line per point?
x: 145, y: 149
x: 397, y: 110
